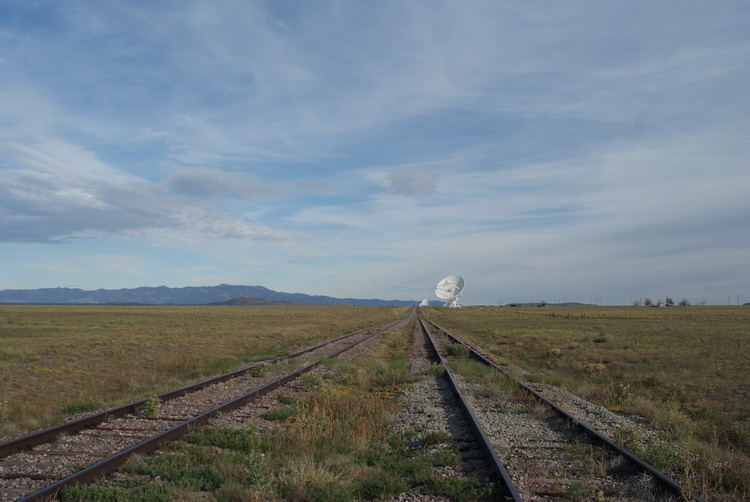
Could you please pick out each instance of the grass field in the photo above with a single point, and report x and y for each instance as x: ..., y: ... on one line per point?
x: 685, y: 369
x: 61, y: 360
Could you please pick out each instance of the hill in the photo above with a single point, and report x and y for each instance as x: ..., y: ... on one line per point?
x: 163, y: 295
x: 246, y: 300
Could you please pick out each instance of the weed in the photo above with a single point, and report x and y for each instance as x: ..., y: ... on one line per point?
x: 446, y: 457
x: 377, y: 487
x: 134, y: 386
x: 186, y: 466
x: 658, y: 453
x: 500, y: 408
x: 312, y: 381
x: 287, y: 400
x: 437, y: 437
x: 594, y: 368
x: 391, y: 374
x: 280, y: 414
x: 652, y: 382
x: 462, y: 490
x: 258, y: 371
x: 84, y: 405
x: 150, y: 408
x: 246, y: 439
x: 457, y: 350
x: 577, y: 490
x: 305, y: 479
x: 490, y: 382
x: 102, y: 491
x: 435, y: 369
x: 602, y: 338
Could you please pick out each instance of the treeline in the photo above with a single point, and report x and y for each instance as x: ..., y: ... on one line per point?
x: 668, y: 302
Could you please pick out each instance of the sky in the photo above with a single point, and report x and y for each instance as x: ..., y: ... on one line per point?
x: 550, y: 151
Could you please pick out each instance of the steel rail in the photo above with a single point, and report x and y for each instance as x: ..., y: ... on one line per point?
x: 42, y: 436
x: 661, y: 479
x: 511, y: 492
x: 110, y: 464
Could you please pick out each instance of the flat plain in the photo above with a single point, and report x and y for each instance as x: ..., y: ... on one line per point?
x: 62, y: 360
x: 685, y: 370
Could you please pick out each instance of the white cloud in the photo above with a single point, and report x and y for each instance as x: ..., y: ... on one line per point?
x: 529, y: 145
x: 59, y: 192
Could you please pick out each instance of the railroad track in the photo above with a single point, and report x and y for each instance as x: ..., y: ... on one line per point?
x: 513, y: 441
x: 550, y: 454
x: 37, y: 466
x: 436, y: 406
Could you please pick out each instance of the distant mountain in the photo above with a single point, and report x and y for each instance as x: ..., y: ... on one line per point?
x: 163, y: 295
x: 246, y: 300
x: 545, y: 304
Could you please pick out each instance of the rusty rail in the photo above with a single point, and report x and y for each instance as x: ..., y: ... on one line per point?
x: 110, y: 464
x: 663, y: 481
x: 496, y: 465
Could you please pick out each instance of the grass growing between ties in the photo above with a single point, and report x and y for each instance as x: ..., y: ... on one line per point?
x: 684, y: 369
x: 336, y: 443
x: 489, y: 382
x: 89, y: 357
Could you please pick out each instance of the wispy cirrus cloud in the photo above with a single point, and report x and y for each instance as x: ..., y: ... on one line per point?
x: 539, y: 144
x: 59, y: 192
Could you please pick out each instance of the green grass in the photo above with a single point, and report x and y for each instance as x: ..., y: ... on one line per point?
x: 81, y: 406
x: 280, y: 414
x: 490, y: 382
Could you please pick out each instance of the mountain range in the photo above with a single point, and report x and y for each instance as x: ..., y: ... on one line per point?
x: 163, y: 295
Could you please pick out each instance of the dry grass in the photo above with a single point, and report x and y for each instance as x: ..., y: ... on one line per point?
x: 336, y: 444
x: 685, y: 369
x: 58, y: 360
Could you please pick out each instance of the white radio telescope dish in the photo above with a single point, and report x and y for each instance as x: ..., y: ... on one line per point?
x: 449, y: 289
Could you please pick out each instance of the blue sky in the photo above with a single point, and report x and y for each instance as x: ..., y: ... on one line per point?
x: 582, y: 150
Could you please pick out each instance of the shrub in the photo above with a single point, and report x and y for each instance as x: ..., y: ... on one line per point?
x: 594, y: 368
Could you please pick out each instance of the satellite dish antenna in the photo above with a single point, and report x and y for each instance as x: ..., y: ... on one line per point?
x: 449, y: 289
x: 425, y: 303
